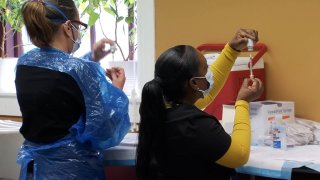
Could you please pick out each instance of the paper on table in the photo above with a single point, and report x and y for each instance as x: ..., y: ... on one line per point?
x: 131, y: 139
x: 266, y: 158
x: 270, y: 158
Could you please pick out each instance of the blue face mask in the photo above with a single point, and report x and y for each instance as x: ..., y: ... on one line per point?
x: 76, y: 43
x: 209, y: 78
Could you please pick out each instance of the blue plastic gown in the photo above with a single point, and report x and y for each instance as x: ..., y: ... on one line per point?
x: 105, y: 123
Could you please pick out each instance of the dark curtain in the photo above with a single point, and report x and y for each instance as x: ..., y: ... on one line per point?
x: 1, y: 33
x: 92, y: 35
x: 14, y: 46
x: 13, y: 43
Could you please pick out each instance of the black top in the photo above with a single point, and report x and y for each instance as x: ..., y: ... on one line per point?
x: 194, y: 140
x: 50, y: 103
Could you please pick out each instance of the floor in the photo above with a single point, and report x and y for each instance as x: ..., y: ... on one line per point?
x: 14, y: 118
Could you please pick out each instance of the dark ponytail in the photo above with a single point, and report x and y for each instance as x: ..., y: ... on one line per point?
x: 173, y: 70
x: 38, y: 18
x: 152, y: 113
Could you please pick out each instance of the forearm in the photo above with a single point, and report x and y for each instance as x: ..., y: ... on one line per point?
x: 88, y: 57
x: 220, y: 69
x: 239, y: 150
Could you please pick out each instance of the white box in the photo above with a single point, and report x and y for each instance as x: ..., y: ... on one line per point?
x: 227, y: 121
x: 262, y: 113
x: 10, y: 142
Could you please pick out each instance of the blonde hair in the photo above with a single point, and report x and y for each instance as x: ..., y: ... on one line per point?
x: 40, y: 18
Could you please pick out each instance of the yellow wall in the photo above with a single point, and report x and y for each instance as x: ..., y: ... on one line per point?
x: 290, y: 29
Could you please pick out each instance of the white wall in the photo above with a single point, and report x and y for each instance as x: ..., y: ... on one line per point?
x: 8, y: 99
x: 146, y: 40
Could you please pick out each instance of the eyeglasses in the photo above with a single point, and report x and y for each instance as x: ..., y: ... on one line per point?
x: 81, y: 26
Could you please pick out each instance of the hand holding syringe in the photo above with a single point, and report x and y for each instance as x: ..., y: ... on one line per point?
x: 245, y: 39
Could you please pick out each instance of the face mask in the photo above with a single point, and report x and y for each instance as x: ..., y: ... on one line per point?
x: 209, y: 78
x: 76, y: 43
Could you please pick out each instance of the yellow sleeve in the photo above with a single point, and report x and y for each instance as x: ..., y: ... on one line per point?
x: 239, y: 150
x: 220, y: 69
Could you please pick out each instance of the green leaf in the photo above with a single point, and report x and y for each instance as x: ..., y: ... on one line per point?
x: 132, y: 40
x: 120, y: 18
x: 113, y: 2
x: 2, y: 4
x: 93, y: 18
x: 130, y: 3
x: 96, y: 3
x: 114, y: 10
x: 104, y: 4
x: 90, y: 10
x: 132, y: 31
x: 109, y: 10
x: 84, y: 11
x: 129, y: 19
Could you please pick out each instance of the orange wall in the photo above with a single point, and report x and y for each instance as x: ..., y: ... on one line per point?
x: 290, y: 29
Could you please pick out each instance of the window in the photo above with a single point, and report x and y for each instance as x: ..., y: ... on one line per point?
x: 145, y: 67
x: 145, y: 36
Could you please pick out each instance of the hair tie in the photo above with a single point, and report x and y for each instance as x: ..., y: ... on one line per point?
x: 48, y: 4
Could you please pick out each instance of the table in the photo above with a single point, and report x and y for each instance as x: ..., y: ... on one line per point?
x: 263, y: 161
x: 276, y: 163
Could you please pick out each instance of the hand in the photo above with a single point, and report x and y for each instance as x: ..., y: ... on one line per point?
x: 117, y: 76
x: 240, y: 39
x: 99, y: 51
x: 250, y: 90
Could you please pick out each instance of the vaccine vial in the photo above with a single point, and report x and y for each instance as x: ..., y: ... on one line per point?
x: 279, y: 133
x: 113, y: 48
x: 250, y: 45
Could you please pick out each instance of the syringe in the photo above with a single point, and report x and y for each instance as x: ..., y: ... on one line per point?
x: 250, y: 48
x: 251, y: 72
x: 113, y: 49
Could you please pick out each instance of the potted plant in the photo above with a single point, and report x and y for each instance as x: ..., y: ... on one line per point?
x: 124, y: 25
x: 94, y: 8
x: 11, y: 21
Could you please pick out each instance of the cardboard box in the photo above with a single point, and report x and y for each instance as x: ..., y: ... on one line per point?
x: 227, y: 120
x: 262, y: 113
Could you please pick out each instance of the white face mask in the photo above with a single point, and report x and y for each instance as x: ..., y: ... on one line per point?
x: 209, y: 78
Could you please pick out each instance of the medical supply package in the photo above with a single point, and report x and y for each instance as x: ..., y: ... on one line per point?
x: 263, y: 113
